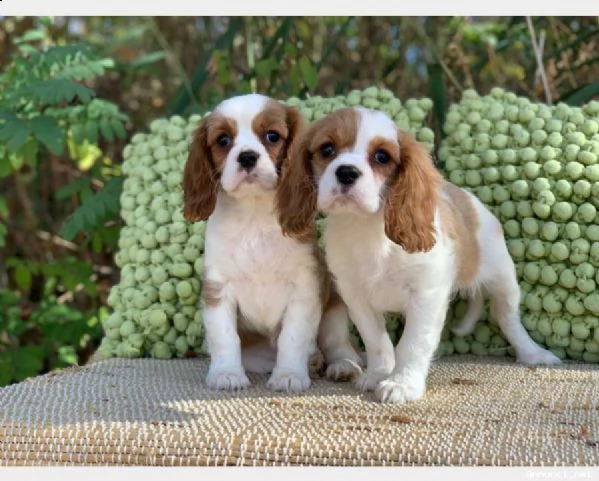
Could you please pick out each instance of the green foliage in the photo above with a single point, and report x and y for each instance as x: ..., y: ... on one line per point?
x: 185, y: 94
x: 582, y: 94
x: 49, y: 111
x: 43, y: 101
x: 67, y: 274
x: 45, y: 105
x: 52, y: 334
x: 51, y: 337
x: 3, y: 215
x: 95, y: 210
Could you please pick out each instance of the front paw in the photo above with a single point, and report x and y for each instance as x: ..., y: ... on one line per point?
x: 400, y: 389
x: 227, y: 379
x: 343, y: 370
x: 288, y: 380
x: 368, y: 380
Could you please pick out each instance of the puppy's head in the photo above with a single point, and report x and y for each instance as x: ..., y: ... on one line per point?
x: 239, y: 148
x: 356, y: 161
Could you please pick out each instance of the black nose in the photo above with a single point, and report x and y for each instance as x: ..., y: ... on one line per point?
x: 247, y: 159
x: 347, y: 174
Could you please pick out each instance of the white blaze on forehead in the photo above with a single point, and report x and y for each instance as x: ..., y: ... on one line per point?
x: 243, y: 109
x: 371, y: 124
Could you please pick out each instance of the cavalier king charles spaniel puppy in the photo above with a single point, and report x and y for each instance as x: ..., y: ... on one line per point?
x: 268, y: 302
x: 399, y: 238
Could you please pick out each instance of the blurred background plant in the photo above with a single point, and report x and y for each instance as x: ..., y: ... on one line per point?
x: 73, y: 90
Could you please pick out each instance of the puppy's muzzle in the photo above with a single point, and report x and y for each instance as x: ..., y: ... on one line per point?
x: 347, y: 175
x: 247, y: 159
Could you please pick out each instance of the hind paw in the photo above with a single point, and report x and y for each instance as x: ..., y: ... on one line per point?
x: 343, y: 370
x: 539, y: 357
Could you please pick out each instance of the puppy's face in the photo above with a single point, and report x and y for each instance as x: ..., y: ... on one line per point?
x: 239, y: 148
x: 356, y: 161
x: 354, y: 152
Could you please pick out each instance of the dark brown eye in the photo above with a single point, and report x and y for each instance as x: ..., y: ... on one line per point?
x: 272, y: 137
x: 327, y: 150
x: 382, y: 157
x: 223, y: 140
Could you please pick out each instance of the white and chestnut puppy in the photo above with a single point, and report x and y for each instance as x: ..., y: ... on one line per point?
x: 258, y: 283
x: 400, y: 239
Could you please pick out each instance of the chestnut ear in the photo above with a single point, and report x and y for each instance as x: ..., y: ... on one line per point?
x: 411, y: 198
x: 200, y: 179
x: 296, y: 191
x: 296, y: 126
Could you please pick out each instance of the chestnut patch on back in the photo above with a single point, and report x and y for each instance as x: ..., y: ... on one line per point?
x: 459, y: 221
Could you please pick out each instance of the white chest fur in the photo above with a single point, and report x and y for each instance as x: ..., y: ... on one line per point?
x: 260, y: 269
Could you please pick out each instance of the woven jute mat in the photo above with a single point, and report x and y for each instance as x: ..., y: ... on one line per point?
x: 477, y: 412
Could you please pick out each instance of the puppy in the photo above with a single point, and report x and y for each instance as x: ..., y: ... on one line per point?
x: 400, y: 238
x: 257, y: 283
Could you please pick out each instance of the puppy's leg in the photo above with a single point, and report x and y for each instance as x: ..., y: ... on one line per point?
x: 379, y: 348
x: 505, y: 309
x: 343, y: 362
x: 414, y: 352
x: 295, y: 345
x: 476, y: 305
x: 222, y: 340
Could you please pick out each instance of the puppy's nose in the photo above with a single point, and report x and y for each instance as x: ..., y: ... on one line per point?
x: 247, y: 159
x: 347, y: 174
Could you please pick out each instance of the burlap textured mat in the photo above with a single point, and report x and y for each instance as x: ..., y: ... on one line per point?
x: 477, y: 412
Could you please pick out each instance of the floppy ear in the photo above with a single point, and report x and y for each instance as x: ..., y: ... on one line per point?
x: 412, y: 198
x: 296, y: 191
x: 200, y: 179
x: 296, y: 126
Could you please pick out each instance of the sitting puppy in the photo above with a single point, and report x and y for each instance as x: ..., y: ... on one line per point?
x: 400, y: 239
x: 258, y: 283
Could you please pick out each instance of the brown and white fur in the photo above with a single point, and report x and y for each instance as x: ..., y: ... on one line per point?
x: 264, y: 294
x: 399, y: 238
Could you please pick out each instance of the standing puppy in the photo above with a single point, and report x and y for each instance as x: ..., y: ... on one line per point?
x: 402, y: 239
x: 257, y: 283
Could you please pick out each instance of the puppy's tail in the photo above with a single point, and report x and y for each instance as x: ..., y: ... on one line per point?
x: 476, y: 305
x: 259, y: 357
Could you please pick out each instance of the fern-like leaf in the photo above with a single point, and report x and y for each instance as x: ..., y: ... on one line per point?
x: 13, y: 126
x: 83, y: 70
x: 98, y: 118
x: 46, y: 130
x: 14, y: 133
x: 106, y: 129
x: 119, y: 128
x: 59, y: 54
x: 91, y: 131
x: 50, y: 91
x: 72, y: 188
x: 94, y: 212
